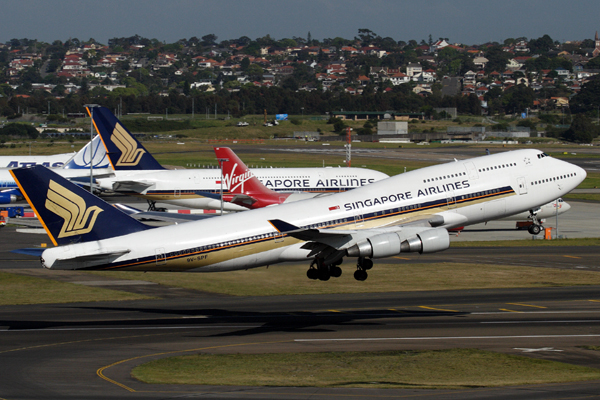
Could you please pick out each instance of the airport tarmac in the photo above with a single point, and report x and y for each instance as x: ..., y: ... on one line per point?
x: 87, y: 350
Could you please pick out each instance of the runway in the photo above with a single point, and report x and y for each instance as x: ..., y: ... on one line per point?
x: 87, y: 350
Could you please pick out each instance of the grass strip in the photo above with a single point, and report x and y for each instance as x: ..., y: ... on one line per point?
x: 291, y: 279
x: 528, y: 243
x: 437, y: 369
x: 18, y: 289
x: 587, y: 197
x: 596, y: 348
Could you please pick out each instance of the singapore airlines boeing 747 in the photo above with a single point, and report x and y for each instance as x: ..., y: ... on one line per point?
x: 410, y: 212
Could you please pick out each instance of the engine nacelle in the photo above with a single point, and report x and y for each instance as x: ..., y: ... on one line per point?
x: 7, y: 197
x: 391, y: 244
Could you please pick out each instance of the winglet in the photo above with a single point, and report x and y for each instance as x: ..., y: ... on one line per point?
x: 68, y: 213
x: 126, y: 153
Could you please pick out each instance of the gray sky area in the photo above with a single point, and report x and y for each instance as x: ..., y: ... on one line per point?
x: 463, y: 21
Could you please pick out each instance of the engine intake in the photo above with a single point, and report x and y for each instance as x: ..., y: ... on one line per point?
x: 391, y: 244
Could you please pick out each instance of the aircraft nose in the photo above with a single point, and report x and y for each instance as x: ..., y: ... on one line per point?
x: 581, y: 173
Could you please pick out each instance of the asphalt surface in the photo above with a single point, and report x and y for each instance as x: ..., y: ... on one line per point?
x: 87, y: 350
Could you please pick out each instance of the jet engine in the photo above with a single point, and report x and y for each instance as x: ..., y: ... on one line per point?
x: 391, y: 244
x: 9, y: 196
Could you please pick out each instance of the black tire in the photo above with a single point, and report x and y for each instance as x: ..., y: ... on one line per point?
x: 324, y: 274
x: 367, y: 264
x: 312, y: 274
x: 534, y: 229
x: 335, y: 272
x: 360, y: 275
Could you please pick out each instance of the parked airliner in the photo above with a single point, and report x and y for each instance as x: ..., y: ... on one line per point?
x: 245, y: 189
x: 410, y: 212
x: 78, y: 166
x: 50, y: 161
x: 137, y: 173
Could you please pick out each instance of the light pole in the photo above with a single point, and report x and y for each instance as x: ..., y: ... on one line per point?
x: 221, y: 161
x: 90, y: 108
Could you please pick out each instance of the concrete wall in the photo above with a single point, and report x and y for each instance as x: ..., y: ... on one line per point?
x: 392, y: 127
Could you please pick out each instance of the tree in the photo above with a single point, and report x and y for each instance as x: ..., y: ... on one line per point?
x: 209, y: 40
x: 594, y: 63
x: 497, y: 59
x: 245, y: 63
x: 588, y: 98
x: 255, y: 71
x: 582, y: 130
x: 541, y: 45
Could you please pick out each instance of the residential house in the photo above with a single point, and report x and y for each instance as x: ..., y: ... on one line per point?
x: 413, y: 69
x: 439, y: 44
x: 480, y: 62
x: 469, y: 78
x: 399, y: 78
x: 562, y: 72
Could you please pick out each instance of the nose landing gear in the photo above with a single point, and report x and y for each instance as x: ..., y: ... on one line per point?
x: 536, y: 227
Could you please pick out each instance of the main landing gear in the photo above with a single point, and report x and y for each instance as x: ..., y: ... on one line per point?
x: 536, y: 227
x: 323, y: 272
x: 152, y: 206
x: 362, y: 266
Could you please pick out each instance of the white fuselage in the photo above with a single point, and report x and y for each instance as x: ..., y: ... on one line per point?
x: 200, y: 188
x: 50, y: 161
x: 462, y: 193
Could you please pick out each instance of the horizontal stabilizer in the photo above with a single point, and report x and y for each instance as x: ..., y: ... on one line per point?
x: 31, y: 251
x: 96, y: 256
x: 160, y: 215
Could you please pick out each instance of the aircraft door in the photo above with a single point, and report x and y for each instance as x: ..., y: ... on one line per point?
x: 359, y: 220
x: 451, y: 200
x: 161, y: 256
x: 177, y: 193
x: 471, y: 170
x: 522, y: 185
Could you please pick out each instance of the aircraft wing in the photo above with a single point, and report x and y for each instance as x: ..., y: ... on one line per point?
x: 424, y: 237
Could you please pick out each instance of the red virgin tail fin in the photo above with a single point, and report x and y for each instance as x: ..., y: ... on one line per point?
x: 246, y: 189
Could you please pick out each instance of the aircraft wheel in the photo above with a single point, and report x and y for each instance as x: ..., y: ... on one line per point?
x: 335, y: 272
x: 367, y: 264
x: 312, y: 274
x: 534, y: 229
x: 360, y: 275
x: 324, y: 274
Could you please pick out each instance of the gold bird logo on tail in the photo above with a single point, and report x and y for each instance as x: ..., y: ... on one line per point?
x: 130, y: 154
x: 79, y: 219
